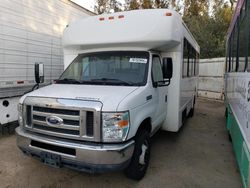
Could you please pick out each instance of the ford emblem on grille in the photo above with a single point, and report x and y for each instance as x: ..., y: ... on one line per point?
x: 54, y: 120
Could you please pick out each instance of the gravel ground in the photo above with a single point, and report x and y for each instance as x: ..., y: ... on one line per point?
x: 200, y: 155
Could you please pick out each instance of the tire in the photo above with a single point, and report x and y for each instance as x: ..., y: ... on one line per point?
x: 140, y: 159
x: 191, y: 112
x: 229, y: 137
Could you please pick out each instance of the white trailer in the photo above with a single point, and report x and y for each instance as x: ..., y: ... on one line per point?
x: 127, y: 75
x: 30, y: 32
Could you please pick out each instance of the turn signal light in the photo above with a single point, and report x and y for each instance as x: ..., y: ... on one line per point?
x: 123, y: 123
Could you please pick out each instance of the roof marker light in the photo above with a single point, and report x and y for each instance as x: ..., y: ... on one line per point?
x: 20, y: 82
x: 102, y: 19
x: 111, y: 18
x: 121, y: 16
x: 168, y: 14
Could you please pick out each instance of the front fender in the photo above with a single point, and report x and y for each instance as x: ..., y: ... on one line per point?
x: 138, y: 115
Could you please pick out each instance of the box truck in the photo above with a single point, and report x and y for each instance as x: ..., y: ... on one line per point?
x: 30, y: 31
x: 126, y: 76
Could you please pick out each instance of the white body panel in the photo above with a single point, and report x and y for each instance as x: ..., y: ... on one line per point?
x: 30, y: 32
x: 238, y: 97
x: 8, y: 110
x: 129, y: 31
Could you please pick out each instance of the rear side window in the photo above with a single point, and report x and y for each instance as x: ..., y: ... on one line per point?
x: 190, y: 63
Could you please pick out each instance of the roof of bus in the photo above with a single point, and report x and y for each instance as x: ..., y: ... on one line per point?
x: 238, y: 8
x: 151, y: 29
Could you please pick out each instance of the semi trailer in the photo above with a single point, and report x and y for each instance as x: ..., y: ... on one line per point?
x: 30, y: 32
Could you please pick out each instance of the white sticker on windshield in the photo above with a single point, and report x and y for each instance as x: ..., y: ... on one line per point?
x: 138, y: 60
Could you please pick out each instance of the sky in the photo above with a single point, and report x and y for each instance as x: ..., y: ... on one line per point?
x: 89, y: 4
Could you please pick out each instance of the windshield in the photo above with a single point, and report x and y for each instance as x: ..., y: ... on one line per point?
x: 108, y: 68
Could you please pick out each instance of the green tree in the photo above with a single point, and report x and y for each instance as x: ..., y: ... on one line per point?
x: 107, y: 6
x: 115, y: 6
x: 146, y: 4
x: 176, y: 5
x: 233, y: 3
x: 221, y: 19
x: 132, y: 5
x: 194, y: 8
x: 209, y: 26
x: 161, y: 4
x: 101, y: 6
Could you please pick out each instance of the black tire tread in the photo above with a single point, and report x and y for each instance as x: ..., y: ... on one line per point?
x: 132, y: 171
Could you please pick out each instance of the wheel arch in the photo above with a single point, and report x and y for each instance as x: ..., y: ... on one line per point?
x: 145, y: 125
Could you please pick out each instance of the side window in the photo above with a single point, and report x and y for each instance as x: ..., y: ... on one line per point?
x: 156, y: 69
x: 185, y: 58
x: 234, y: 49
x: 242, y: 43
x: 190, y: 64
x: 228, y: 55
x: 86, y: 67
x: 189, y: 59
x: 231, y: 53
x: 197, y: 64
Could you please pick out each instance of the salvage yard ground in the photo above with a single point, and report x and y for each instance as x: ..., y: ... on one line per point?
x: 200, y: 155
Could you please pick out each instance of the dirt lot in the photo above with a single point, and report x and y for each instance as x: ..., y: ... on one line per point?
x: 200, y: 155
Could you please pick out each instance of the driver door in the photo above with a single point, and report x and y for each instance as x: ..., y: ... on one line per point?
x: 160, y: 92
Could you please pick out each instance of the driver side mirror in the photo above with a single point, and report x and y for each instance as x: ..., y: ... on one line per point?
x: 39, y: 73
x: 167, y: 68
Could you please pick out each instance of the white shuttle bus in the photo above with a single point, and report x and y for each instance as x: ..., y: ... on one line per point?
x: 126, y: 76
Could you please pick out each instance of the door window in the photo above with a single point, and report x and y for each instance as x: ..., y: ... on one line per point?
x: 157, y: 69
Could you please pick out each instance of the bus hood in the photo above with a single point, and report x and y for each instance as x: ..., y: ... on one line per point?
x: 109, y: 96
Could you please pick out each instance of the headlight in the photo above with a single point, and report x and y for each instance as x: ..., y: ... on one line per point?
x: 20, y: 114
x: 115, y: 126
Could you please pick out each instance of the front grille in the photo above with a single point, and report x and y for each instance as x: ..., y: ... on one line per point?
x: 89, y: 123
x: 56, y: 130
x: 28, y: 115
x: 57, y: 111
x: 78, y: 124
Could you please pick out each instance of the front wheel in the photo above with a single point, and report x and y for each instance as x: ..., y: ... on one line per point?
x: 140, y: 159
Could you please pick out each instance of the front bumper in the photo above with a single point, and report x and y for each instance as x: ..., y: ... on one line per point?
x: 83, y: 156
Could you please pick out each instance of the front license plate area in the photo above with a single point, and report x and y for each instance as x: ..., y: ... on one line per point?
x: 51, y: 159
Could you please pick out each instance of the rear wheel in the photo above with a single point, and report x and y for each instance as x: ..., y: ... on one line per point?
x: 191, y: 112
x: 140, y: 159
x: 226, y: 113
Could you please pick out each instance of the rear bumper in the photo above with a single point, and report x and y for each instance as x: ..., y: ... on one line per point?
x: 82, y: 156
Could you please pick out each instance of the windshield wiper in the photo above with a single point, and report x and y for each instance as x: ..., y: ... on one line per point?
x: 68, y: 81
x: 113, y: 80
